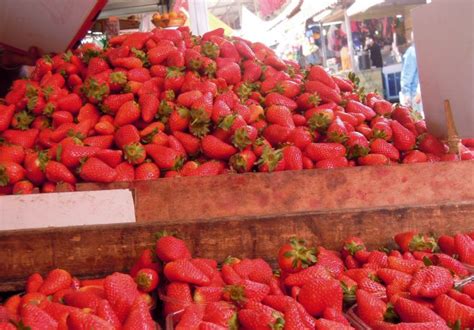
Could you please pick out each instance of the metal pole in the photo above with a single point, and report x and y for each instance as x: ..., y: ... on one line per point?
x: 323, y: 43
x: 350, y: 44
x: 198, y: 16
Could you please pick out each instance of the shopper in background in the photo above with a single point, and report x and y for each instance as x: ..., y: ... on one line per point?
x: 409, y: 80
x: 375, y: 52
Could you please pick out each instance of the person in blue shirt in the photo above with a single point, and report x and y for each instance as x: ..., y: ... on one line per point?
x: 409, y: 80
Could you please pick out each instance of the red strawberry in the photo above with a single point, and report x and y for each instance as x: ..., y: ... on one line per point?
x: 206, y: 295
x: 217, y: 149
x: 453, y: 312
x: 147, y: 171
x: 370, y: 308
x: 112, y: 103
x: 380, y: 146
x: 307, y: 275
x: 149, y: 106
x: 382, y: 107
x: 139, y: 316
x: 464, y: 246
x: 134, y: 153
x: 10, y: 173
x: 411, y: 311
x: 281, y: 115
x: 6, y: 116
x: 230, y: 73
x: 100, y: 141
x: 169, y: 248
x: 128, y: 113
x: 382, y: 130
x: 321, y: 151
x: 293, y: 320
x: 56, y: 280
x: 293, y: 158
x: 164, y: 157
x: 58, y: 172
x: 388, y: 276
x: 446, y: 244
x: 357, y: 107
x: 337, y: 131
x: 411, y: 326
x: 323, y: 324
x: 373, y: 159
x: 278, y: 99
x: 430, y: 282
x: 333, y: 314
x: 276, y: 134
x: 406, y: 266
x: 147, y: 279
x: 22, y: 188
x: 121, y: 291
x: 300, y: 137
x: 35, y: 318
x: 95, y: 170
x: 179, y: 295
x: 430, y: 144
x: 246, y: 291
x: 79, y: 320
x: 308, y: 100
x: 413, y: 241
x: 243, y: 161
x: 128, y: 62
x: 82, y: 299
x: 26, y: 139
x: 319, y: 294
x: 371, y: 286
x: 461, y: 297
x: 184, y: 271
x: 415, y: 156
x: 403, y: 139
x: 72, y: 155
x: 125, y: 135
x: 318, y: 73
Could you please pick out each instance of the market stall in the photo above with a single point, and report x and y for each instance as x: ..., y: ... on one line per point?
x: 300, y: 199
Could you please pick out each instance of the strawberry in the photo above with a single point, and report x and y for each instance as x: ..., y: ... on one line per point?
x: 276, y: 134
x: 164, y: 157
x: 446, y: 244
x: 280, y: 115
x: 431, y: 282
x: 281, y: 100
x: 126, y: 135
x: 121, y: 291
x: 382, y: 107
x: 147, y: 171
x: 95, y: 170
x: 319, y: 294
x: 82, y: 299
x: 243, y: 161
x: 128, y: 113
x: 230, y: 73
x: 34, y: 282
x: 293, y: 158
x: 134, y: 153
x: 403, y: 139
x: 300, y: 137
x: 111, y: 157
x: 382, y: 130
x: 333, y: 263
x: 10, y: 173
x: 406, y: 266
x: 139, y: 316
x: 415, y: 156
x: 461, y: 297
x: 128, y: 62
x: 321, y: 151
x: 147, y: 279
x: 357, y: 107
x: 464, y: 246
x: 6, y: 116
x: 80, y: 320
x: 371, y: 286
x: 26, y: 139
x: 410, y: 326
x: 105, y: 311
x: 373, y: 159
x: 149, y: 106
x: 72, y: 155
x: 293, y: 320
x: 217, y: 149
x: 35, y: 318
x: 430, y: 144
x: 56, y: 280
x: 318, y: 73
x: 337, y: 131
x: 307, y: 275
x: 169, y: 248
x: 370, y: 308
x: 411, y: 311
x: 180, y: 296
x: 294, y: 256
x: 413, y: 241
x: 58, y: 172
x: 326, y: 93
x: 112, y: 103
x: 454, y: 312
x: 389, y: 276
x: 380, y: 146
x: 184, y: 271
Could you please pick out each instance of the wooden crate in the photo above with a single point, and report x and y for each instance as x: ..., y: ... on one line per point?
x: 252, y: 215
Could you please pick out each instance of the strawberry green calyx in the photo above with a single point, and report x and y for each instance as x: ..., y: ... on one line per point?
x: 279, y: 323
x: 118, y: 77
x: 319, y: 122
x: 95, y: 90
x: 142, y: 56
x: 143, y: 281
x: 183, y: 112
x: 353, y: 247
x: 195, y: 64
x: 23, y: 120
x: 3, y: 176
x: 210, y: 69
x: 200, y: 123
x: 337, y: 137
x: 314, y: 99
x: 47, y: 91
x: 422, y: 243
x: 241, y: 139
x: 233, y: 323
x: 210, y: 50
x: 174, y: 72
x: 178, y: 163
x: 390, y: 314
x: 134, y: 152
x: 170, y: 95
x: 67, y: 56
x: 300, y: 253
x: 357, y: 151
x: 164, y: 233
x: 378, y: 134
x: 270, y: 158
x: 230, y: 260
x: 244, y: 90
x: 164, y: 111
x: 149, y: 137
x: 43, y: 160
x: 236, y: 293
x: 227, y: 122
x: 238, y: 162
x: 349, y: 293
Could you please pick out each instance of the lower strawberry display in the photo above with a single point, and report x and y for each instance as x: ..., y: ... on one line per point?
x: 424, y: 284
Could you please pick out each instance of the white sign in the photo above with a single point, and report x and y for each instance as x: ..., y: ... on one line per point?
x: 66, y: 209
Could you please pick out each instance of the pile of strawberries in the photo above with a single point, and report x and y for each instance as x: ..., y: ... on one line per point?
x: 167, y: 103
x: 426, y: 284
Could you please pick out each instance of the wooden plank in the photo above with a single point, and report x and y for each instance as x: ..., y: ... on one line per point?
x: 263, y: 194
x: 90, y: 251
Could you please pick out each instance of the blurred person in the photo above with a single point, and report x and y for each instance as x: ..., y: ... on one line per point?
x: 346, y: 63
x: 409, y: 79
x: 375, y: 52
